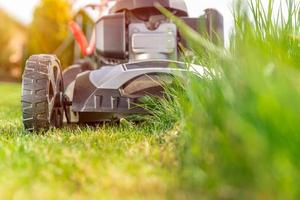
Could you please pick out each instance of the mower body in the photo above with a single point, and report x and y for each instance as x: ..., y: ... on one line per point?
x: 137, y: 48
x: 137, y: 51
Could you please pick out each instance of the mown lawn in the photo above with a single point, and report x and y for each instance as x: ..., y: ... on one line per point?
x: 82, y: 163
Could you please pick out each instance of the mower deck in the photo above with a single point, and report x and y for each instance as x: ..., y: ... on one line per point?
x: 118, y: 90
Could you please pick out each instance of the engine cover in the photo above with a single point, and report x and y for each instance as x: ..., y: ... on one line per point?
x: 148, y: 44
x: 140, y: 5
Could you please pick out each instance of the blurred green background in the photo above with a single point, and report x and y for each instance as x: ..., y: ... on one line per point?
x: 48, y: 32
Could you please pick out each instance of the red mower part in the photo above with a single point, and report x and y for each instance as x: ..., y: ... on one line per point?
x: 87, y: 49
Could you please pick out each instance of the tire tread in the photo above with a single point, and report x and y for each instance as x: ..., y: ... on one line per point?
x: 34, y: 92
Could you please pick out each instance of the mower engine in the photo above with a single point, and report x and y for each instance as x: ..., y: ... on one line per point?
x: 136, y: 40
x: 138, y: 31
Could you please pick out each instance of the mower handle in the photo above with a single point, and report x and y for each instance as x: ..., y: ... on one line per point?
x: 86, y: 48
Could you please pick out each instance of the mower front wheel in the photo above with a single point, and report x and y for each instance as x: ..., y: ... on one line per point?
x: 42, y: 93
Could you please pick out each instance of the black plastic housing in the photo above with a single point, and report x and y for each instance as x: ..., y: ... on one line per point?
x: 111, y: 36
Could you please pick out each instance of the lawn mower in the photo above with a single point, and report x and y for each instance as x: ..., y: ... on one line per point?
x: 135, y: 51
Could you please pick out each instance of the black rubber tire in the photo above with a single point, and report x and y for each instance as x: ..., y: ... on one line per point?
x: 42, y: 92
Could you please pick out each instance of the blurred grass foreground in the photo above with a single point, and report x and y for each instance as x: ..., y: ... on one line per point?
x: 232, y: 136
x: 240, y: 129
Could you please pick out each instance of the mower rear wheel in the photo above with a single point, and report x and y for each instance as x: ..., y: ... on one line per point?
x: 42, y: 93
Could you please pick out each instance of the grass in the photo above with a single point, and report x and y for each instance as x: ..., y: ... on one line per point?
x: 239, y: 131
x: 82, y: 163
x: 232, y: 136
